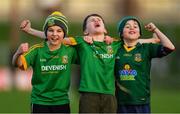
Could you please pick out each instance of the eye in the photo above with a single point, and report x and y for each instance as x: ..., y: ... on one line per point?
x: 98, y: 19
x: 59, y: 30
x: 127, y: 26
x: 135, y: 26
x: 50, y: 30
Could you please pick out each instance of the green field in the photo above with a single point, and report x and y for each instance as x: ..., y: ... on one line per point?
x: 163, y: 101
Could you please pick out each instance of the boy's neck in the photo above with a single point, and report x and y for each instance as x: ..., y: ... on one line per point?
x: 130, y: 43
x: 99, y: 38
x: 53, y: 47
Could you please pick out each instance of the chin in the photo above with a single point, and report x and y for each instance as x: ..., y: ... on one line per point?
x: 55, y: 43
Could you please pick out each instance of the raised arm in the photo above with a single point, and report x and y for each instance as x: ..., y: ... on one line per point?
x: 154, y: 39
x: 26, y: 27
x: 21, y: 49
x: 163, y: 38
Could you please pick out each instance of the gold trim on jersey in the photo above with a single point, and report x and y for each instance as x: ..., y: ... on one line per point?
x: 70, y: 41
x: 34, y: 47
x: 23, y: 61
x: 73, y: 41
x: 129, y: 49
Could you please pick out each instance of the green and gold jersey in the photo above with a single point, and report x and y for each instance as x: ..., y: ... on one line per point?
x: 132, y: 70
x: 97, y: 66
x: 51, y: 73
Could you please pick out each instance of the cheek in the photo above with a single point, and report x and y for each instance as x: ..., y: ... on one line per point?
x: 49, y: 33
x: 125, y: 32
x: 61, y: 34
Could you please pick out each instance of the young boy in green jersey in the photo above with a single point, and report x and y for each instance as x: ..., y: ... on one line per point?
x: 97, y: 83
x: 133, y: 63
x: 51, y: 63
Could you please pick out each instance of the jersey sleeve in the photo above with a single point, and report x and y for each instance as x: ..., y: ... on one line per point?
x: 27, y: 59
x: 155, y: 50
x: 79, y: 39
x: 73, y: 41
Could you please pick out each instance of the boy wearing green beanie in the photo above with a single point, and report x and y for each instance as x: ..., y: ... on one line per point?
x: 133, y: 63
x: 51, y: 63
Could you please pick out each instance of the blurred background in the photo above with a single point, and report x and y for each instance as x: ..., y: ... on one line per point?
x: 15, y: 86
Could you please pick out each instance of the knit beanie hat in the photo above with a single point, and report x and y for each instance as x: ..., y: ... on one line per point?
x: 56, y: 18
x: 123, y: 21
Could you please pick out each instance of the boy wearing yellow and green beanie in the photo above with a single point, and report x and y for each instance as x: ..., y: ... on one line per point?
x: 51, y: 63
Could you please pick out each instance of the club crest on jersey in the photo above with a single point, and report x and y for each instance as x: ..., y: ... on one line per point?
x: 138, y: 57
x: 109, y: 50
x: 65, y: 59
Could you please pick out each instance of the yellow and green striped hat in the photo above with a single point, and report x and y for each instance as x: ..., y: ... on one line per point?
x: 56, y: 18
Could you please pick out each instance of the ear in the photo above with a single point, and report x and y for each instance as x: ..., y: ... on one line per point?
x: 85, y: 32
x: 105, y: 31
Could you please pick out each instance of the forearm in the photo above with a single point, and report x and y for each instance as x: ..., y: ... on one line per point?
x: 36, y: 33
x: 164, y: 40
x: 15, y: 61
x: 154, y: 39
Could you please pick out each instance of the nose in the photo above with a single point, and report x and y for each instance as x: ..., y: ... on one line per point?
x: 131, y: 27
x: 54, y: 33
x: 96, y: 20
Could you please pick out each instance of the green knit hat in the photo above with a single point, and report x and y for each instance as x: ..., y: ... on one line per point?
x: 56, y: 18
x: 123, y: 21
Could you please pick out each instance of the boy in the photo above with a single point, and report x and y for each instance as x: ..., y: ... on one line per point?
x: 133, y: 63
x: 51, y: 63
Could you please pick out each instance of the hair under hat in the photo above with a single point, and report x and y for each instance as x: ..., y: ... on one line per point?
x: 123, y: 22
x: 56, y: 18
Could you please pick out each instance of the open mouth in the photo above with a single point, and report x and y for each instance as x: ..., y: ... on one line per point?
x: 54, y: 39
x: 97, y: 25
x: 132, y: 32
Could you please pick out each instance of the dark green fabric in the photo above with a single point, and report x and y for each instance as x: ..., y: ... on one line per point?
x: 132, y: 70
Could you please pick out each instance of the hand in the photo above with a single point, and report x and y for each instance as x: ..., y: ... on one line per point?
x: 150, y: 27
x: 23, y: 48
x: 88, y: 39
x: 108, y: 39
x: 25, y: 25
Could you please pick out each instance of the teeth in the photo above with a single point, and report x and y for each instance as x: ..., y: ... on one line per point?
x: 132, y: 32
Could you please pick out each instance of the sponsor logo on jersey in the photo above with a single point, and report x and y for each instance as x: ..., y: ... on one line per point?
x: 104, y: 56
x: 137, y: 57
x: 65, y: 59
x: 53, y: 67
x: 127, y: 54
x: 127, y: 73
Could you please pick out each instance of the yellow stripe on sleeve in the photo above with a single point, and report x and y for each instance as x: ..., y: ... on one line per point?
x: 34, y: 47
x: 24, y: 63
x: 69, y: 41
x: 73, y: 41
